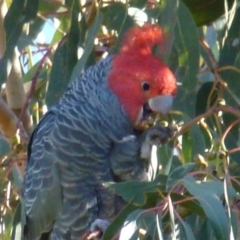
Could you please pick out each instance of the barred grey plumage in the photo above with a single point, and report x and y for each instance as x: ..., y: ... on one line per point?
x: 73, y: 151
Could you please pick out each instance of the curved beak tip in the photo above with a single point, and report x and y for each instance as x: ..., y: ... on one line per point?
x: 161, y: 104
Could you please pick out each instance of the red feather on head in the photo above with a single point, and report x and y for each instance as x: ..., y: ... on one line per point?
x: 142, y: 39
x: 136, y: 64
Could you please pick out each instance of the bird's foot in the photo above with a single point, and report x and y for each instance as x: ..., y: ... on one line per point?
x: 157, y: 135
x: 97, y: 229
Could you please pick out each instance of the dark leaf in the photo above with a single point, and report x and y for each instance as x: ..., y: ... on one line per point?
x: 19, y: 13
x: 178, y: 174
x: 211, y: 205
x: 89, y: 44
x: 203, y: 95
x: 64, y: 60
x: 186, y: 43
x: 205, y: 12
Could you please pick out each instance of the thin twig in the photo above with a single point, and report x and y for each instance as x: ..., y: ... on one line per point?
x: 228, y: 129
x: 234, y: 150
x: 207, y: 114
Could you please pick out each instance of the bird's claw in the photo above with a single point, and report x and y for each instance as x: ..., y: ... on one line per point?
x: 157, y: 135
x: 97, y: 229
x: 94, y: 235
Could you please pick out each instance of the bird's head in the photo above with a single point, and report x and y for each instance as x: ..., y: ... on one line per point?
x: 141, y: 81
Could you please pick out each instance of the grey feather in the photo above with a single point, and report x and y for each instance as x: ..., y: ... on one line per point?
x: 74, y: 150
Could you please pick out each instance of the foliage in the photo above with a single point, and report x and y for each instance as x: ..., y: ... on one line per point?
x: 195, y: 194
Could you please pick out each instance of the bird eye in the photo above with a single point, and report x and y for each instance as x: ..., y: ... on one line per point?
x: 145, y: 86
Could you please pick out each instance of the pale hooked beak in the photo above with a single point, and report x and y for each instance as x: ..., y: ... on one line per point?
x: 159, y: 104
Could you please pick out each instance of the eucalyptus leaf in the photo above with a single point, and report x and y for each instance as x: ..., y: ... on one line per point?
x: 4, y: 146
x: 131, y: 225
x: 187, y: 231
x: 116, y: 18
x: 178, y: 174
x: 134, y: 190
x: 18, y: 14
x: 186, y: 43
x: 16, y: 230
x: 205, y: 12
x: 185, y: 101
x: 230, y: 49
x: 167, y: 20
x: 90, y: 37
x: 118, y: 222
x: 204, y: 93
x: 138, y: 3
x: 211, y: 205
x: 64, y: 60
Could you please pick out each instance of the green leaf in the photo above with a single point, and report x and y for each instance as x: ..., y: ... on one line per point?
x: 17, y: 176
x: 205, y: 12
x: 187, y: 147
x: 138, y: 3
x: 193, y: 142
x: 167, y: 20
x: 28, y: 38
x: 188, y: 206
x: 204, y: 54
x: 117, y: 223
x: 186, y: 43
x: 90, y: 37
x: 19, y: 13
x: 4, y: 146
x: 218, y: 189
x: 230, y: 194
x: 58, y: 80
x: 30, y: 10
x: 185, y: 101
x: 131, y: 225
x: 211, y: 204
x: 64, y: 60
x: 187, y: 231
x: 179, y: 173
x: 65, y: 22
x: 48, y: 7
x: 114, y: 15
x: 164, y: 154
x: 232, y: 140
x: 230, y: 50
x: 116, y: 18
x: 135, y: 190
x: 203, y: 95
x: 198, y: 140
x: 16, y: 230
x: 234, y: 223
x: 151, y: 200
x: 30, y: 74
x: 232, y: 93
x: 205, y: 231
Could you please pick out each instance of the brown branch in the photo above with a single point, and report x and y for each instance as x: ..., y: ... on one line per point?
x: 229, y: 128
x: 207, y: 114
x: 218, y: 80
x: 234, y: 150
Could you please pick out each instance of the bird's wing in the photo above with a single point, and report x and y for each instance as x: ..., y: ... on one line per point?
x: 42, y: 193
